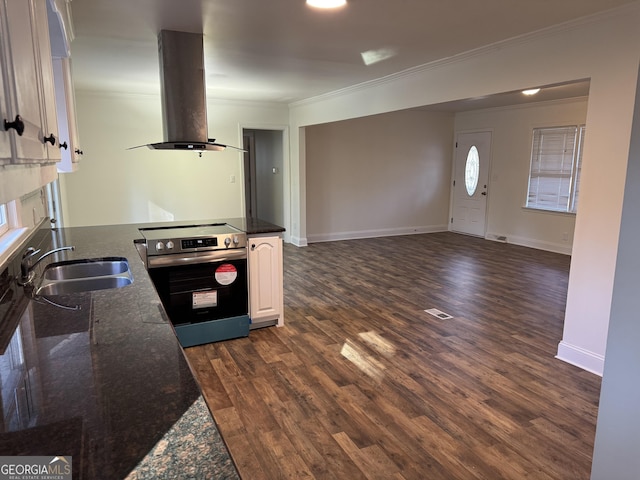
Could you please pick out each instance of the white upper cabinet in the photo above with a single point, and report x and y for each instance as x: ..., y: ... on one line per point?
x: 61, y: 35
x: 65, y: 100
x: 53, y: 142
x: 5, y: 143
x: 29, y: 92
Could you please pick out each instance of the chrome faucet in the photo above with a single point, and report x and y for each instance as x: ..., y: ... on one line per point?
x: 26, y: 267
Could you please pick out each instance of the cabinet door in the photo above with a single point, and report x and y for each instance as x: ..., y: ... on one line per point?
x: 65, y: 101
x: 265, y: 279
x: 48, y: 92
x: 25, y: 80
x: 6, y: 94
x: 5, y: 143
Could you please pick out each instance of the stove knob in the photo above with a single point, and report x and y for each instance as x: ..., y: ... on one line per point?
x: 159, y: 246
x: 236, y: 240
x: 170, y: 245
x: 227, y: 242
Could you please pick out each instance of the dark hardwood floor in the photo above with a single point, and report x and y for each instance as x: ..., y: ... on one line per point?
x: 361, y: 383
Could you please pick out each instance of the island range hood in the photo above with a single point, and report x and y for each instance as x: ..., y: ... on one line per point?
x: 183, y: 89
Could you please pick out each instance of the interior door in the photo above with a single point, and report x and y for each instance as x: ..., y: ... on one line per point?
x: 471, y: 181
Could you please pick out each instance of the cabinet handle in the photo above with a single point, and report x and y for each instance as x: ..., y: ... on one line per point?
x: 79, y: 152
x: 18, y: 124
x: 253, y: 246
x: 51, y: 139
x: 64, y: 145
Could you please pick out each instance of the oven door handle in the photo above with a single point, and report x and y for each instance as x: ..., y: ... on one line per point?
x: 173, y: 260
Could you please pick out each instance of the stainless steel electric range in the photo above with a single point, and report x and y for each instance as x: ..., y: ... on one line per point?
x: 200, y: 274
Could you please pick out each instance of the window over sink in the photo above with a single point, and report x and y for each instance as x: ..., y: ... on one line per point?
x: 4, y: 222
x: 8, y: 217
x: 10, y: 228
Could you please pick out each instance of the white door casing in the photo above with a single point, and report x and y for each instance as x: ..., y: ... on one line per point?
x: 469, y: 201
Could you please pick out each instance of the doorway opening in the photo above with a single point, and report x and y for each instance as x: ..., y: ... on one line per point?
x: 263, y: 174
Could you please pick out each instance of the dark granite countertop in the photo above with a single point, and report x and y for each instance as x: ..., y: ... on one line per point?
x: 100, y: 375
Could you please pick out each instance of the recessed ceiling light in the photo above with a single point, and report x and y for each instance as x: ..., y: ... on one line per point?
x: 326, y: 3
x: 531, y: 91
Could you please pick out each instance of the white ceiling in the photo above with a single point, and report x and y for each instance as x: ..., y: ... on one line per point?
x: 283, y: 51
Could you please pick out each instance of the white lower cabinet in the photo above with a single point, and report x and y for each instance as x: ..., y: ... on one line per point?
x: 266, y: 295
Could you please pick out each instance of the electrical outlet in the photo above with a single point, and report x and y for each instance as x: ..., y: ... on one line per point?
x: 565, y: 237
x: 232, y: 179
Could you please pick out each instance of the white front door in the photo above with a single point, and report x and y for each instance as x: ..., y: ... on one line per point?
x: 470, y: 185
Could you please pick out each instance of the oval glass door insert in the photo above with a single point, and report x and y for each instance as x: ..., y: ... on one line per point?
x: 472, y: 171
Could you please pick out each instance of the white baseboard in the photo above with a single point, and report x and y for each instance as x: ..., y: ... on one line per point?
x: 298, y: 241
x: 589, y: 361
x: 530, y: 242
x: 385, y: 232
x: 562, y: 248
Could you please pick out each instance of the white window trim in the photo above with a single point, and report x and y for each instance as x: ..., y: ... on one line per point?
x: 11, y: 217
x: 548, y: 212
x: 576, y: 160
x: 12, y: 237
x: 4, y: 226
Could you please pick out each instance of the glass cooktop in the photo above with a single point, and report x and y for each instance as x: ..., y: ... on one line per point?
x: 188, y: 231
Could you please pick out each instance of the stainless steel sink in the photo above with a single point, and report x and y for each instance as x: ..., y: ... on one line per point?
x: 86, y: 268
x: 83, y: 275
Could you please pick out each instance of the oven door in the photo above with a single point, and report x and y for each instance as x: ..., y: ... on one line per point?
x: 205, y: 294
x: 210, y: 288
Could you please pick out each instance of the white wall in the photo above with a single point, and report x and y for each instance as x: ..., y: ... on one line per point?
x: 390, y: 173
x: 115, y: 185
x: 512, y: 129
x: 378, y: 175
x: 618, y: 431
x: 32, y: 208
x: 604, y: 49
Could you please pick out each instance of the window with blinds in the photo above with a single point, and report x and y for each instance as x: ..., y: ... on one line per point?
x: 554, y: 176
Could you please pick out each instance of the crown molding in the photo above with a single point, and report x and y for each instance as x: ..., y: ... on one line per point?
x: 156, y: 95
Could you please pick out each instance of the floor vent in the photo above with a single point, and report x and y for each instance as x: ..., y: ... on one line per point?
x: 437, y: 313
x: 501, y: 238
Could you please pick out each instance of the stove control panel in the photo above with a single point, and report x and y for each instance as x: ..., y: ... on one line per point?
x: 196, y: 244
x: 190, y: 243
x: 193, y: 238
